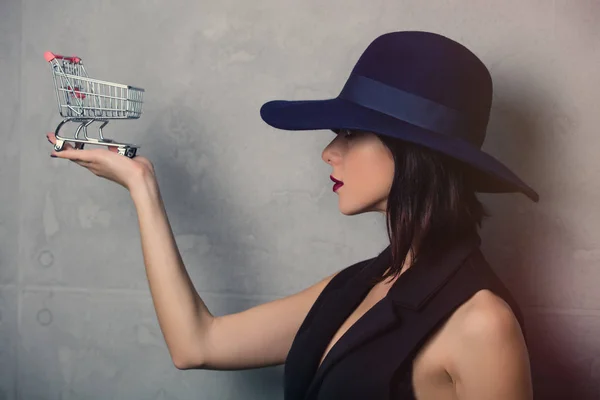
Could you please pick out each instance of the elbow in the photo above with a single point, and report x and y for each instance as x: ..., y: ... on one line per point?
x: 184, y: 363
x: 180, y: 363
x: 189, y: 354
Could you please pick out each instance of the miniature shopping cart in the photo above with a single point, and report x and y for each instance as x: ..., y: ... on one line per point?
x: 85, y: 100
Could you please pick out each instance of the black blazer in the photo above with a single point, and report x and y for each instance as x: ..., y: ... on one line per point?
x: 373, y: 359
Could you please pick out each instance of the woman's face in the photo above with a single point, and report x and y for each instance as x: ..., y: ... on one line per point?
x: 366, y: 167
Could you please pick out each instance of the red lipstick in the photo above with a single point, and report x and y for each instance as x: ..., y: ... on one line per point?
x: 338, y: 184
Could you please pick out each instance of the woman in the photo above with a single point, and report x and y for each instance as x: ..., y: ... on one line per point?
x: 426, y: 318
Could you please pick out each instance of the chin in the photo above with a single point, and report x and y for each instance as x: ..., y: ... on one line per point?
x: 356, y: 209
x: 349, y: 213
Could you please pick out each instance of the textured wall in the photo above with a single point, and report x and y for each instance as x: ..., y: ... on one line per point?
x: 252, y: 207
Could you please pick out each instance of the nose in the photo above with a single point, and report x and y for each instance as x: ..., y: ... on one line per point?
x: 330, y: 154
x: 325, y: 155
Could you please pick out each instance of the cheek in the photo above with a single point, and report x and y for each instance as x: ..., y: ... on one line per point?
x: 371, y: 172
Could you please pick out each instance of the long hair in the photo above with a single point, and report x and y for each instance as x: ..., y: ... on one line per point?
x: 430, y: 200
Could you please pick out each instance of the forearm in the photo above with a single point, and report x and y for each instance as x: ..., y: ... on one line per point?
x: 182, y: 315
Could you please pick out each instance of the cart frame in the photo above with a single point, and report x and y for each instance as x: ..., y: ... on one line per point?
x: 84, y: 100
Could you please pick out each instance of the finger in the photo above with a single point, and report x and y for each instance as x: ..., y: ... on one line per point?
x: 52, y: 139
x: 86, y: 156
x: 83, y: 163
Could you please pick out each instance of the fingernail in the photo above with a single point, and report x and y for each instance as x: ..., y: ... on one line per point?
x: 52, y: 155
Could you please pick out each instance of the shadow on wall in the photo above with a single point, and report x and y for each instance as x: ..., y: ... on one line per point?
x: 522, y: 237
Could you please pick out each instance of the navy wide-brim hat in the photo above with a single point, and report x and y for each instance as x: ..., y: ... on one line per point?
x: 416, y: 86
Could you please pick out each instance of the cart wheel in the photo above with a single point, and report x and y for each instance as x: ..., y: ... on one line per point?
x: 131, y: 152
x: 58, y: 145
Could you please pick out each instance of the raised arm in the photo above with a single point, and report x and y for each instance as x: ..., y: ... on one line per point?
x: 257, y: 337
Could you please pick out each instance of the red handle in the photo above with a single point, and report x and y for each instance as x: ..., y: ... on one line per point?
x: 51, y: 56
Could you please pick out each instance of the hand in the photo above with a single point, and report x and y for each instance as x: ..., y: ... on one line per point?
x: 106, y: 164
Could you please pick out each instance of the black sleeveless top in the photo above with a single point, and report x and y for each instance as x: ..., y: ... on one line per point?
x: 373, y: 359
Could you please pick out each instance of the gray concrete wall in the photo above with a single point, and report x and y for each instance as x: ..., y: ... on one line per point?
x: 252, y: 207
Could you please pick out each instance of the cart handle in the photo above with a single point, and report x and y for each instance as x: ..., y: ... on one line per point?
x: 49, y: 56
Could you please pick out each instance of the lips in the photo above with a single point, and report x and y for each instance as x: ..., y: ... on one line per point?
x: 335, y: 180
x: 338, y: 184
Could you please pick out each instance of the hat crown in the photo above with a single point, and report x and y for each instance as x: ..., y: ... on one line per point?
x: 432, y: 66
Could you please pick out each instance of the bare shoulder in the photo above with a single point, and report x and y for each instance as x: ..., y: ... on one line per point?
x: 478, y: 351
x: 485, y: 313
x: 488, y: 322
x: 486, y: 349
x: 482, y: 315
x: 483, y: 320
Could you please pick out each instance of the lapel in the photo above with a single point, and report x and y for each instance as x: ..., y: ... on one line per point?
x: 410, y: 291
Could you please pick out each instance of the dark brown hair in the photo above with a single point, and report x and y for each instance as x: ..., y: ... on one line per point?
x: 430, y: 200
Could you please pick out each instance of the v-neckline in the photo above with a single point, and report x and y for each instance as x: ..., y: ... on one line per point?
x: 324, y: 356
x: 367, y: 289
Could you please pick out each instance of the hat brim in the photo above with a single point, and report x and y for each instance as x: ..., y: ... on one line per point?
x: 489, y: 174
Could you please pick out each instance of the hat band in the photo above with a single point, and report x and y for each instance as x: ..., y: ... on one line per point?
x: 405, y: 106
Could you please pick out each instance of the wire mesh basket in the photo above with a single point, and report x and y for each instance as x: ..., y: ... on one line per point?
x: 84, y: 100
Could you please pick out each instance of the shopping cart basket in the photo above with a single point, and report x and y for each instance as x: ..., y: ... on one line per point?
x: 85, y: 100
